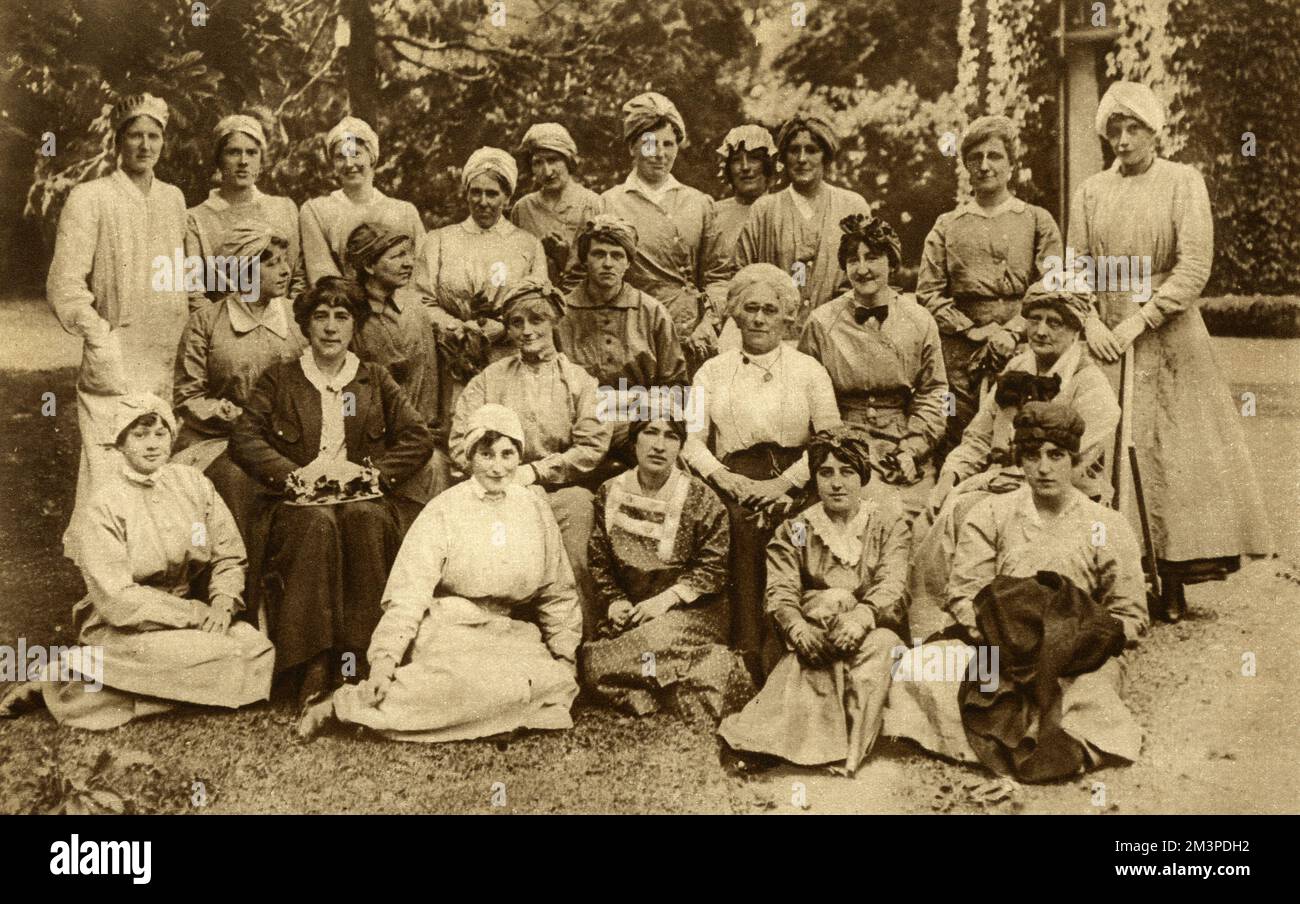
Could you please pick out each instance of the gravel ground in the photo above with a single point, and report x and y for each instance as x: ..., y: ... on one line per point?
x: 1217, y: 740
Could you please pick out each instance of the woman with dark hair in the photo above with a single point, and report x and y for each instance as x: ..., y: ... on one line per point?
x: 353, y: 153
x: 398, y: 335
x: 795, y: 229
x: 465, y: 270
x: 1191, y: 450
x: 240, y: 157
x: 164, y: 572
x: 979, y: 261
x: 565, y: 439
x: 556, y: 210
x: 334, y: 437
x: 679, y: 260
x: 224, y: 350
x: 882, y: 352
x: 481, y: 623
x: 835, y: 587
x: 658, y: 559
x: 747, y: 158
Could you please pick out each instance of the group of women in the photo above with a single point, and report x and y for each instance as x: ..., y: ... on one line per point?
x: 396, y: 462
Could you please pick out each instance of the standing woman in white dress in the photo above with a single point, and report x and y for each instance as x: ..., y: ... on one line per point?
x: 102, y: 286
x: 1203, y: 502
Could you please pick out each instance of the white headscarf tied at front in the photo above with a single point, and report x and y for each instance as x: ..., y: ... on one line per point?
x: 493, y: 161
x: 358, y: 130
x: 1131, y: 99
x: 494, y: 417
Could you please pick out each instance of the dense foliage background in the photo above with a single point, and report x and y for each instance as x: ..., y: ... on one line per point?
x: 440, y: 79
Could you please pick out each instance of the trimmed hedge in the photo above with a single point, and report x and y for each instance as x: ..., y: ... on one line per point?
x: 1271, y: 316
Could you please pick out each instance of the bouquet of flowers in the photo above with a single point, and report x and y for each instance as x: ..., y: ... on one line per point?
x: 330, y: 483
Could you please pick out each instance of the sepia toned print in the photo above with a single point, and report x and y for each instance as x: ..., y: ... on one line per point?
x: 649, y: 407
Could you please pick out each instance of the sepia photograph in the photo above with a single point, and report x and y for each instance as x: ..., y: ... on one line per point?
x: 649, y: 407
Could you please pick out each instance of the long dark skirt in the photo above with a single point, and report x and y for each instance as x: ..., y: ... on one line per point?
x: 753, y: 634
x: 324, y: 574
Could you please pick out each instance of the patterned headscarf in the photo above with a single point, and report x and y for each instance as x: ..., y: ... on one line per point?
x: 244, y: 125
x: 549, y: 136
x: 1073, y: 305
x: 359, y: 130
x: 368, y: 243
x: 134, y: 105
x: 529, y: 292
x: 1052, y: 422
x: 875, y: 233
x: 490, y: 161
x: 607, y: 227
x: 849, y: 443
x: 137, y: 405
x: 767, y: 276
x: 818, y: 125
x: 1130, y: 99
x: 644, y: 110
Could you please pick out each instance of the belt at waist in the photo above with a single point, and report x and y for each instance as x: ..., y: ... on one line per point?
x: 1114, y: 306
x: 761, y: 460
x: 893, y: 400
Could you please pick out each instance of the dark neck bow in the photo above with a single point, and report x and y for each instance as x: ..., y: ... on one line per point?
x: 1015, y: 387
x: 880, y: 312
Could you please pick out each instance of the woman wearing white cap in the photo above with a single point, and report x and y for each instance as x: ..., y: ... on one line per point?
x: 240, y: 156
x: 1191, y: 450
x: 481, y: 621
x: 353, y: 151
x: 103, y: 289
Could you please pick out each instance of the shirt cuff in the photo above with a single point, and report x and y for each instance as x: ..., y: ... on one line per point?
x: 1152, y: 314
x: 685, y: 593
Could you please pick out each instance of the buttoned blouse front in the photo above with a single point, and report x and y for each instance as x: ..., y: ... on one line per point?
x: 333, y: 445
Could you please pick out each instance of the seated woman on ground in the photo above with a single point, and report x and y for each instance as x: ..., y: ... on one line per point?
x: 481, y: 620
x: 835, y: 584
x: 1043, y: 561
x: 658, y: 559
x: 164, y: 571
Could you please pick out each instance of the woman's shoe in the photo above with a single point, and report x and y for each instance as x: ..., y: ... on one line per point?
x: 315, y: 716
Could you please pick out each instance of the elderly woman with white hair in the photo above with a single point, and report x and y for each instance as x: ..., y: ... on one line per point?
x: 560, y: 205
x: 978, y: 262
x: 240, y: 157
x: 481, y: 622
x: 1191, y: 450
x: 759, y: 404
x: 465, y: 271
x: 353, y: 153
x: 164, y: 572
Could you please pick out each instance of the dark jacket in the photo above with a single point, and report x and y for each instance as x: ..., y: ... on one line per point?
x: 279, y: 430
x: 1044, y: 628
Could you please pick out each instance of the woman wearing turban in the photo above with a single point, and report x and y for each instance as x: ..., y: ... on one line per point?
x: 1037, y: 548
x: 481, y: 624
x: 835, y: 588
x: 565, y: 439
x: 760, y: 404
x: 398, y: 335
x: 882, y: 351
x: 795, y: 229
x: 352, y: 149
x: 1191, y: 451
x: 104, y: 286
x: 978, y: 262
x: 240, y: 157
x: 465, y: 270
x: 226, y: 346
x: 679, y: 259
x: 560, y: 205
x: 164, y: 572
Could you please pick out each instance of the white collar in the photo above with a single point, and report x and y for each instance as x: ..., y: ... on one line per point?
x: 844, y: 543
x: 325, y: 384
x: 1029, y: 512
x: 1013, y: 204
x: 243, y: 320
x: 635, y: 183
x: 375, y: 197
x: 144, y: 480
x: 502, y: 226
x: 479, y: 492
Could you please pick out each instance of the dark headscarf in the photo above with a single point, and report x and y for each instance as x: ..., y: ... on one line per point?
x: 368, y: 243
x: 1051, y: 422
x: 875, y: 233
x: 848, y: 442
x: 529, y: 292
x: 607, y: 227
